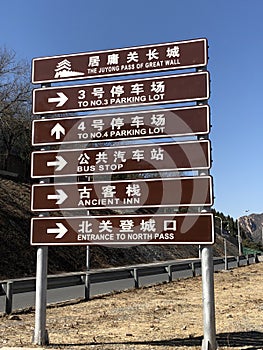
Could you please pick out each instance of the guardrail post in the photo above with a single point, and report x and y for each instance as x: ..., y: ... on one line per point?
x: 193, y: 269
x: 238, y: 261
x: 87, y: 286
x: 136, y: 278
x: 9, y: 297
x: 225, y: 249
x: 170, y: 273
x: 226, y: 263
x: 247, y: 259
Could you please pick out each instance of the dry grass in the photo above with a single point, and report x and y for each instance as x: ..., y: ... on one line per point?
x: 162, y: 317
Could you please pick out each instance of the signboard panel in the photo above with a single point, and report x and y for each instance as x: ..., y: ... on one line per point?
x: 125, y: 229
x: 174, y: 122
x: 165, y: 192
x: 125, y: 93
x: 173, y: 156
x: 131, y: 60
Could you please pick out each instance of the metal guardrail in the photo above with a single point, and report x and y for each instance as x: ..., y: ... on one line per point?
x: 23, y: 285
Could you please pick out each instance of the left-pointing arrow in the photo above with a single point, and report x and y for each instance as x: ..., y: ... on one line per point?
x: 61, y: 196
x: 60, y: 230
x: 61, y: 99
x: 59, y: 163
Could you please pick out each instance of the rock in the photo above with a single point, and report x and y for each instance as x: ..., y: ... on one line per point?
x: 14, y: 318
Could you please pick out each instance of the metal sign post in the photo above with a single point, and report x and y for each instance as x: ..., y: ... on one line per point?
x: 209, y: 340
x: 40, y: 336
x: 87, y: 277
x: 40, y: 333
x: 207, y: 267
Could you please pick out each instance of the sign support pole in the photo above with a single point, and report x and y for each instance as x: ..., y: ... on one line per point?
x: 87, y: 279
x: 207, y: 266
x: 40, y: 332
x: 40, y: 336
x: 209, y: 340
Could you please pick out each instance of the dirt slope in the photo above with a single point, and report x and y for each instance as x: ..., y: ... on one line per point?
x: 163, y: 317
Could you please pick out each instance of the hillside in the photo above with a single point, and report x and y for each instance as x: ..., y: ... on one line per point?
x: 251, y: 225
x: 18, y: 258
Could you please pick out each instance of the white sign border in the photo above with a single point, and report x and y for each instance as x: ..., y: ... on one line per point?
x: 125, y: 216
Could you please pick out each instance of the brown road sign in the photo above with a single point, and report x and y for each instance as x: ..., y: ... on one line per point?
x: 122, y: 126
x: 165, y: 192
x: 125, y: 229
x: 140, y: 59
x: 125, y: 93
x: 173, y: 156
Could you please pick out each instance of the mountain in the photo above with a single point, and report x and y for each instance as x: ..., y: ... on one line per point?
x: 252, y: 227
x: 18, y: 257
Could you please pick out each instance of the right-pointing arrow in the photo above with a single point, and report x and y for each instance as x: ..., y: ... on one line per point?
x: 57, y: 130
x: 59, y: 163
x: 61, y: 99
x: 60, y: 231
x: 61, y: 196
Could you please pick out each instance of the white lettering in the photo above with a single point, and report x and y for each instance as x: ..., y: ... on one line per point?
x: 109, y: 69
x: 83, y: 104
x: 131, y: 99
x: 153, y: 64
x: 131, y: 201
x: 95, y: 135
x: 174, y: 62
x: 164, y: 236
x: 125, y: 67
x: 140, y: 236
x: 156, y: 97
x: 85, y: 168
x: 157, y: 130
x: 96, y: 237
x: 98, y: 202
x: 110, y: 167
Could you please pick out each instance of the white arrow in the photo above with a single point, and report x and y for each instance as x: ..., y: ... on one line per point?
x: 61, y: 99
x: 61, y: 196
x: 59, y: 163
x: 61, y: 230
x: 58, y: 130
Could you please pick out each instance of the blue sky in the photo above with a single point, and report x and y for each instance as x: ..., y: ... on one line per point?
x: 234, y: 31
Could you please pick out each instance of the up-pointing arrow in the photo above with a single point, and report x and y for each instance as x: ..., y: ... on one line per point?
x: 61, y: 196
x: 61, y: 99
x: 59, y: 163
x: 57, y: 130
x: 60, y: 231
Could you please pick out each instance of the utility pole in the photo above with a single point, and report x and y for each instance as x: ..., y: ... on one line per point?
x: 225, y: 247
x: 239, y: 238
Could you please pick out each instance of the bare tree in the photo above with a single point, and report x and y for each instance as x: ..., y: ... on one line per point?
x: 15, y: 106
